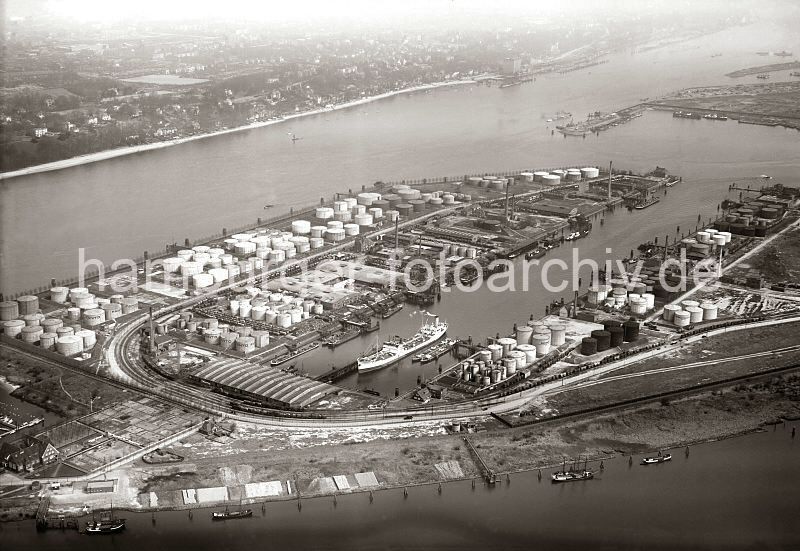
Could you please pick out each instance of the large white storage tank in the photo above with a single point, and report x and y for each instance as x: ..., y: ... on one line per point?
x: 590, y: 172
x: 301, y: 227
x: 69, y: 345
x: 59, y: 294
x: 9, y: 310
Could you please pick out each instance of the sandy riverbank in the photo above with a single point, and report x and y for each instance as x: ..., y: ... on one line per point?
x: 118, y: 152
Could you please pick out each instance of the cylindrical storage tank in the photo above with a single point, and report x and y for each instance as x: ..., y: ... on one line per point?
x: 51, y: 325
x: 539, y: 175
x: 588, y: 346
x: 551, y: 180
x: 284, y: 320
x: 638, y: 306
x: 351, y: 229
x: 94, y: 317
x: 12, y: 328
x: 590, y: 172
x: 530, y: 352
x: 31, y: 334
x: 112, y: 310
x: 191, y: 268
x: 274, y: 256
x: 631, y: 330
x: 261, y: 338
x: 669, y: 312
x: 558, y: 334
x: 542, y: 343
x: 485, y: 355
x: 258, y: 313
x: 316, y: 242
x: 650, y: 300
x: 340, y: 206
x: 448, y: 199
x: 48, y: 340
x: 496, y: 351
x: 244, y: 310
x: 130, y: 304
x: 69, y: 345
x: 202, y: 258
x: 64, y: 331
x: 324, y: 213
x: 335, y: 234
x: 695, y: 314
x: 520, y: 357
x: 9, y: 310
x: 376, y: 213
x: 219, y: 274
x: 393, y: 215
x: 301, y: 227
x: 212, y: 336
x: 593, y: 295
x: 216, y: 252
x: 418, y: 205
x: 201, y: 281
x: 719, y: 240
x: 88, y: 337
x: 358, y: 209
x: 228, y: 340
x: 32, y: 319
x: 689, y: 304
x: 28, y: 304
x: 185, y: 254
x: 404, y: 209
x: 59, y: 294
x: 709, y: 311
x: 617, y: 336
x: 317, y: 231
x: 603, y: 339
x: 335, y: 224
x: 524, y: 334
x: 508, y: 344
x: 74, y: 313
x: 246, y: 344
x: 682, y: 318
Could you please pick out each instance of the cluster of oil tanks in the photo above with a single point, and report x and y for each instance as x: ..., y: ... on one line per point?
x: 706, y: 242
x: 532, y: 340
x: 280, y: 309
x: 752, y: 219
x: 554, y: 177
x: 635, y: 292
x: 612, y: 335
x: 689, y: 312
x: 243, y: 339
x: 73, y: 332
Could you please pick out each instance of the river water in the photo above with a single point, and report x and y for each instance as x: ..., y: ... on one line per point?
x: 126, y: 205
x: 123, y: 206
x: 747, y: 501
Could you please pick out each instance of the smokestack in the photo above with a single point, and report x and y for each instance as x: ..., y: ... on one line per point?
x: 609, y: 178
x: 506, y: 213
x: 152, y: 332
x: 396, y: 234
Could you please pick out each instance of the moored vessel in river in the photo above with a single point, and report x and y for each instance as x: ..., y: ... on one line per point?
x: 396, y: 349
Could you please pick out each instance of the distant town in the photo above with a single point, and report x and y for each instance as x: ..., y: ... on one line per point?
x: 86, y: 90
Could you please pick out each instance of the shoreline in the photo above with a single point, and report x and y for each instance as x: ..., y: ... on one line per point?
x: 129, y: 150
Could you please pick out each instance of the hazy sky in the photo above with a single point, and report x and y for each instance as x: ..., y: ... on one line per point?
x: 365, y: 10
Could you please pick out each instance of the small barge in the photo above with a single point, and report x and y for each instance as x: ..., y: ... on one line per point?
x: 230, y: 515
x: 656, y: 459
x: 283, y: 358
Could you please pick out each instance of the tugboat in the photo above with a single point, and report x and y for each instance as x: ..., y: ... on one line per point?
x: 715, y: 117
x: 572, y: 475
x: 435, y: 352
x: 648, y: 203
x: 656, y: 459
x: 226, y: 514
x: 107, y: 524
x: 392, y: 311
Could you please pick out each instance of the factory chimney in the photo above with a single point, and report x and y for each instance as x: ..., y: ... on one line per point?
x: 506, y: 211
x: 610, y: 172
x: 152, y: 332
x: 396, y: 234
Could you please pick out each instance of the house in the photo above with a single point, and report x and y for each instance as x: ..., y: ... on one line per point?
x: 27, y: 454
x: 39, y: 132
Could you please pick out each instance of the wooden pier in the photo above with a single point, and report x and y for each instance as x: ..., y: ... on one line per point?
x: 44, y: 521
x: 337, y: 374
x: 487, y: 473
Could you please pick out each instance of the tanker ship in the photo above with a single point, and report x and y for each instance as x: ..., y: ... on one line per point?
x: 396, y: 349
